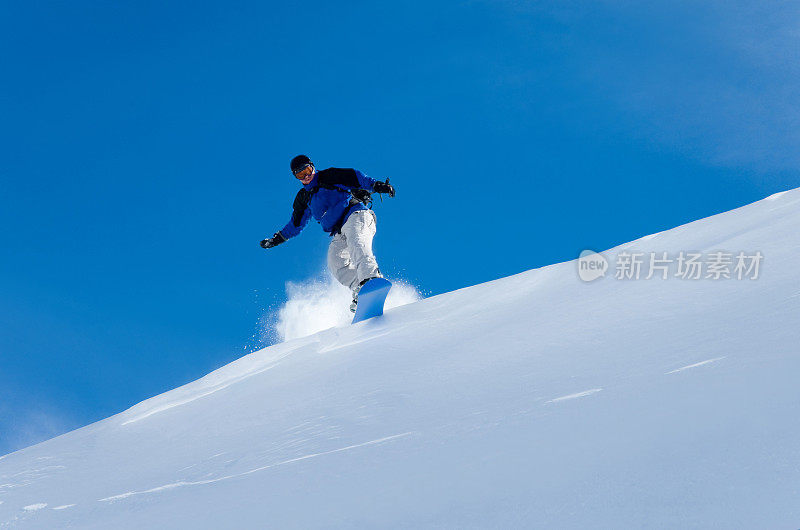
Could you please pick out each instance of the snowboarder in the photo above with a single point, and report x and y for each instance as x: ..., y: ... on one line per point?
x: 339, y: 199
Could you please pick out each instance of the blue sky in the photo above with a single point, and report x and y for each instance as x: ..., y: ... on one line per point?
x: 146, y: 147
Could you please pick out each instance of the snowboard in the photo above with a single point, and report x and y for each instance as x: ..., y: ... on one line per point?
x: 371, y: 298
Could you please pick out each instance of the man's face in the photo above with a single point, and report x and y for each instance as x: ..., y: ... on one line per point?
x: 306, y: 174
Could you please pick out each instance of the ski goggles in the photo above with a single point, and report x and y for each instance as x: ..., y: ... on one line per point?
x: 301, y: 169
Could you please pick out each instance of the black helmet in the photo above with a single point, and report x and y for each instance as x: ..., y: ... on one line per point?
x: 299, y: 162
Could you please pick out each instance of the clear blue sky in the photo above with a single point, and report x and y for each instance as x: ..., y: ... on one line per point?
x: 145, y: 148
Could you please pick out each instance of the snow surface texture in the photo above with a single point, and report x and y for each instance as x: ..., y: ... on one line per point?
x: 536, y: 400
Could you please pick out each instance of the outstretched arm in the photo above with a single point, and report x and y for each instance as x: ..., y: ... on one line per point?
x: 353, y: 178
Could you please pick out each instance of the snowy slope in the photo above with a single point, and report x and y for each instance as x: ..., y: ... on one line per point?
x: 536, y: 400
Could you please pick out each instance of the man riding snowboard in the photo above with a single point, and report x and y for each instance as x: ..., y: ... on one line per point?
x: 337, y: 198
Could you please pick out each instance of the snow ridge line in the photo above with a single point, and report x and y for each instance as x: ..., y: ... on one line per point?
x: 695, y: 365
x: 200, y: 394
x: 574, y: 396
x: 256, y: 470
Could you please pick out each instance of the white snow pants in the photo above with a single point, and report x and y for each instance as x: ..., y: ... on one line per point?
x: 350, y: 256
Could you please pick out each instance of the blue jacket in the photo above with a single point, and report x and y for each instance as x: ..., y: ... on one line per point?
x: 327, y: 199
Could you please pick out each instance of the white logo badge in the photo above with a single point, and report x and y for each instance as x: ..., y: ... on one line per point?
x: 591, y: 266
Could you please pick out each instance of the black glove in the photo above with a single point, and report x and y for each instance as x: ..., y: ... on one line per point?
x: 383, y: 187
x: 274, y: 241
